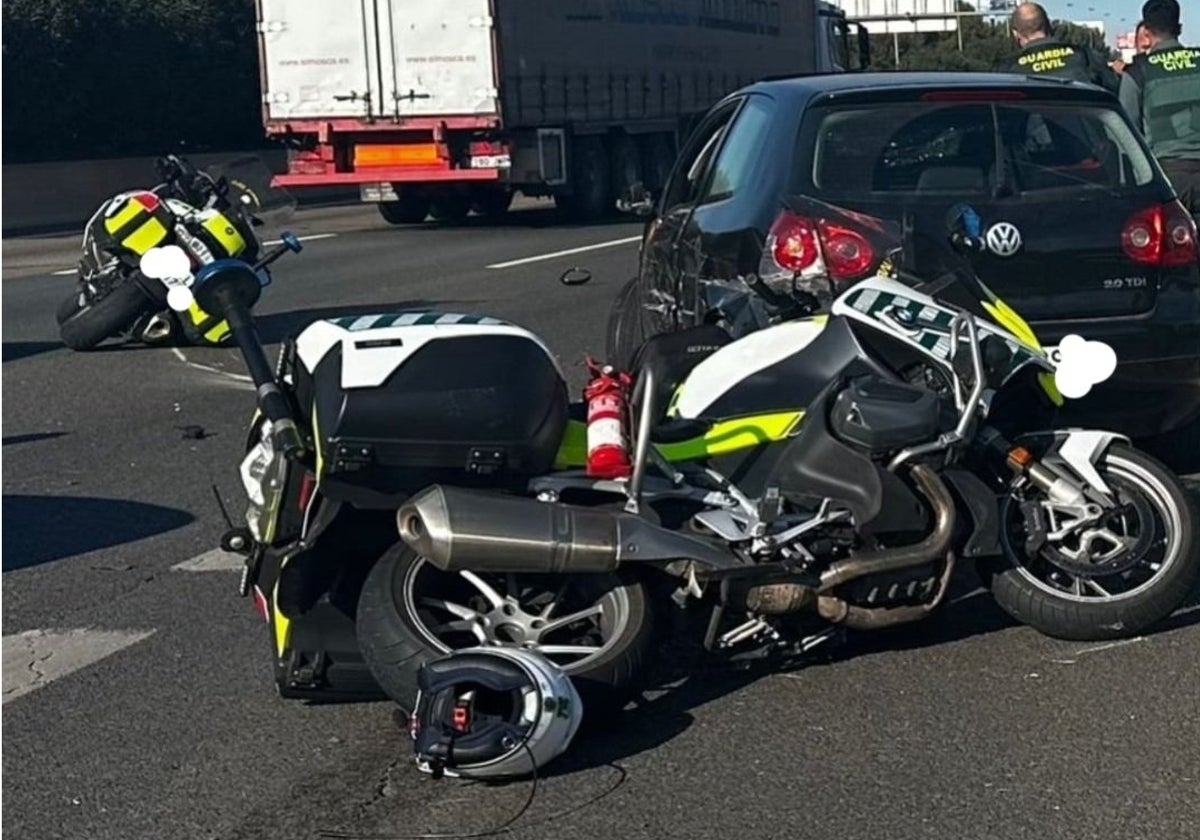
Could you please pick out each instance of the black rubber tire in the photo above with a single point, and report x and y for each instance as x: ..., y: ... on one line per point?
x: 1063, y: 618
x: 395, y: 651
x: 104, y: 318
x: 69, y: 306
x: 658, y: 157
x: 409, y: 210
x: 591, y: 197
x: 450, y: 207
x: 626, y: 329
x: 492, y: 203
x: 625, y: 165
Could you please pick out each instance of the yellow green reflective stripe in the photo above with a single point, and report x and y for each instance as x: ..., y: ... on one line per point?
x: 1011, y: 321
x: 572, y: 451
x: 732, y: 435
x: 145, y: 237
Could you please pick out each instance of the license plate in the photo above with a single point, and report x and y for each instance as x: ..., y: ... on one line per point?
x: 490, y: 162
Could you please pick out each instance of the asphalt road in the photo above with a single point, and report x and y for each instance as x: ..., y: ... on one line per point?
x: 150, y: 712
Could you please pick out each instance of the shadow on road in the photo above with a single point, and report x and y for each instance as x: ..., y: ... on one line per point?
x: 41, y: 529
x: 700, y: 679
x: 14, y: 350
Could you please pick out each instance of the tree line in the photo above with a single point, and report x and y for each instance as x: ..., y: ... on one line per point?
x: 112, y: 78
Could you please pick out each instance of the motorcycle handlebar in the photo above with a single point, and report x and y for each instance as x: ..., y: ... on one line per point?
x: 285, y: 436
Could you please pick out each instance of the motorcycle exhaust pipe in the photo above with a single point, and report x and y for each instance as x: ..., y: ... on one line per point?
x: 936, y: 545
x: 838, y: 611
x: 458, y: 529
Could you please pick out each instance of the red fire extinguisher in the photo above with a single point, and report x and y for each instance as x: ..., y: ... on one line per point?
x: 606, y: 395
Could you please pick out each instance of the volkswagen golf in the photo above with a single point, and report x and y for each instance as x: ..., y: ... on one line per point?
x: 1084, y: 233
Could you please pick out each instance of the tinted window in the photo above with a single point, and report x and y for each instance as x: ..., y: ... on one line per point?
x: 741, y: 150
x: 693, y: 161
x: 969, y: 149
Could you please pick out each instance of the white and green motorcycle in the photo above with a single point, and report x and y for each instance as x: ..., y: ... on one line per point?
x: 417, y: 485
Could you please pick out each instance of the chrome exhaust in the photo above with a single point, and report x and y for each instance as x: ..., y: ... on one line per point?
x: 458, y: 529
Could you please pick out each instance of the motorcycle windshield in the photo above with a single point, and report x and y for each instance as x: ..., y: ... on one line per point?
x: 249, y: 180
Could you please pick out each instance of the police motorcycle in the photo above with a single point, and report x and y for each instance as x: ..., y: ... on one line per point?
x: 211, y: 214
x: 419, y: 483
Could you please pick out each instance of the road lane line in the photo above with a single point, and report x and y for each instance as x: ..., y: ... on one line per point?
x: 308, y: 238
x: 216, y: 560
x: 64, y: 272
x: 568, y: 252
x: 237, y: 377
x: 36, y: 658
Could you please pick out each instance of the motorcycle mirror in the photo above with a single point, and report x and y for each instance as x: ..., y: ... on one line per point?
x: 575, y: 276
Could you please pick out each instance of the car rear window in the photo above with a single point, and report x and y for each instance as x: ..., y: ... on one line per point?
x: 956, y: 148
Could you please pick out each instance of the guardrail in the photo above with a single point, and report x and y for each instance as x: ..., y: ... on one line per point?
x: 61, y: 196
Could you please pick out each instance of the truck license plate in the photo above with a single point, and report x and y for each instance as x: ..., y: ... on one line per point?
x: 490, y: 162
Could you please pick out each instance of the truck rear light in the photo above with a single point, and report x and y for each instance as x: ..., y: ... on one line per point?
x: 1161, y: 235
x: 396, y: 154
x: 799, y: 245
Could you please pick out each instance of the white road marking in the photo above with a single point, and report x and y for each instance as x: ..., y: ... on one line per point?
x: 237, y: 377
x: 217, y: 560
x: 36, y: 658
x: 308, y: 238
x: 64, y: 272
x: 567, y: 252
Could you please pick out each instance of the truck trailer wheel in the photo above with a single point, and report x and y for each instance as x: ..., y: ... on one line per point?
x: 590, y: 199
x: 658, y: 157
x: 492, y: 202
x: 451, y: 207
x: 411, y: 209
x: 626, y: 163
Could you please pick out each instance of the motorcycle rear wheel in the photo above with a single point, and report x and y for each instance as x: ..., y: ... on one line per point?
x: 103, y: 318
x: 410, y: 612
x: 1085, y: 601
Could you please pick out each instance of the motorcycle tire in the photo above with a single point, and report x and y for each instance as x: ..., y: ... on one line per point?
x: 105, y: 317
x: 626, y: 330
x: 70, y: 306
x: 1083, y: 617
x: 395, y: 642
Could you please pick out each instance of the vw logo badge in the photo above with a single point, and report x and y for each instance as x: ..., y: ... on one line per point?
x: 1003, y: 239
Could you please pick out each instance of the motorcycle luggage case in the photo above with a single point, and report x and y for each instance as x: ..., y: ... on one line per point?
x: 403, y: 400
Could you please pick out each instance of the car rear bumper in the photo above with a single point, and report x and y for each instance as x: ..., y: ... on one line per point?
x: 1156, y: 387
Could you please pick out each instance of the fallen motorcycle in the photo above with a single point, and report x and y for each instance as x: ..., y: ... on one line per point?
x: 211, y: 214
x: 420, y: 482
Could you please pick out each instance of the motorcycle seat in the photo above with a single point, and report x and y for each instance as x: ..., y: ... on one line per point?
x: 670, y: 357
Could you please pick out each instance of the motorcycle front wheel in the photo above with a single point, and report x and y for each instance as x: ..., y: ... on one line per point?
x: 596, y: 627
x: 93, y: 322
x: 1107, y: 579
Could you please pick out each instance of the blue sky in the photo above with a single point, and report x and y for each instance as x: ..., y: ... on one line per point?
x: 1121, y: 15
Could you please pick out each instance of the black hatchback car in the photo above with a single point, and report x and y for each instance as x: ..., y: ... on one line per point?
x: 1085, y: 234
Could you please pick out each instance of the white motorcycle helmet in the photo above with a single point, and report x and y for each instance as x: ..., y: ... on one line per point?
x: 492, y: 712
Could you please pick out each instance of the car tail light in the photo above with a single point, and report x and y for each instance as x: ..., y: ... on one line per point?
x: 847, y: 252
x: 800, y: 245
x: 1162, y: 235
x: 794, y: 242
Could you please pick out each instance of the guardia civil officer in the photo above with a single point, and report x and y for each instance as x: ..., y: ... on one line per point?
x: 1162, y: 96
x: 1044, y: 55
